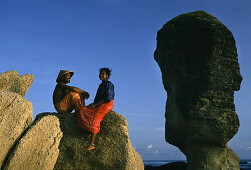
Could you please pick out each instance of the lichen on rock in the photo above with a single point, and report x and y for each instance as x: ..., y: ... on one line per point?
x: 200, y: 72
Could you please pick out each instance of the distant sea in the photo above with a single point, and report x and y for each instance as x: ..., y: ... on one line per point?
x: 245, y: 164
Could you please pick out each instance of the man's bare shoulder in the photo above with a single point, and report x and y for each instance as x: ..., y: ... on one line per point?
x: 61, y: 86
x: 58, y: 88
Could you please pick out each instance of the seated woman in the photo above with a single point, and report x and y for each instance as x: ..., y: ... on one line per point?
x: 89, y: 117
x: 67, y: 98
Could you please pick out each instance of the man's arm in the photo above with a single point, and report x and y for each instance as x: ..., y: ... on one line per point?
x: 75, y: 89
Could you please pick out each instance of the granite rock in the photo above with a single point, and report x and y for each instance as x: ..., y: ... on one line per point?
x: 38, y: 147
x: 113, y: 146
x: 200, y: 71
x: 15, y: 117
x: 11, y: 81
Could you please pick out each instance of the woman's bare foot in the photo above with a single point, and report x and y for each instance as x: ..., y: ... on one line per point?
x: 90, y: 147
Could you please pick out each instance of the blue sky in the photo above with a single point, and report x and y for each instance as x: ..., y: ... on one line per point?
x: 41, y: 37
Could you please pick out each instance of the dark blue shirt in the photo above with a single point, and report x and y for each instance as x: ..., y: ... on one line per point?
x: 105, y: 91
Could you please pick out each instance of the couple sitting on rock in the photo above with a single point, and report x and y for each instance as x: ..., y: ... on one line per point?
x: 67, y: 98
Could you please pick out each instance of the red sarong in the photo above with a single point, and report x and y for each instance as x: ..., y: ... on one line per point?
x: 89, y: 119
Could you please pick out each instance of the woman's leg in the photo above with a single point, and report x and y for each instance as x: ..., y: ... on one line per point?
x: 91, y: 145
x: 93, y: 138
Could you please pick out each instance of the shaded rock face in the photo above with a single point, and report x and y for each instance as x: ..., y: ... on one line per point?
x: 15, y: 117
x: 38, y: 148
x: 11, y: 81
x: 113, y: 147
x: 200, y: 72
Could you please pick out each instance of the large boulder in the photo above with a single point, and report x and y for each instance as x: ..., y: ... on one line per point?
x: 38, y: 147
x: 200, y: 71
x: 15, y: 117
x: 113, y: 147
x: 11, y: 81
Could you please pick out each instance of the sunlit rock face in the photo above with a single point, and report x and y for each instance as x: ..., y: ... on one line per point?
x: 15, y: 116
x: 200, y: 71
x: 12, y: 81
x: 15, y: 111
x: 38, y: 147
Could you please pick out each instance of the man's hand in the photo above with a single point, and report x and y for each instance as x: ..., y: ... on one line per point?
x: 77, y: 90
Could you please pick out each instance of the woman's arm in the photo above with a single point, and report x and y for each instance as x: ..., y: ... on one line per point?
x: 93, y: 105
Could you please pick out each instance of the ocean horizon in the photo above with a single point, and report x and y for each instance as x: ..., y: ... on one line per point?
x: 245, y: 164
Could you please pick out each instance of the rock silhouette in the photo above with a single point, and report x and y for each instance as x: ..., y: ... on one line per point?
x: 200, y: 71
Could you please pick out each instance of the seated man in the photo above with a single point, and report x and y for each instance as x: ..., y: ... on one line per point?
x: 67, y: 98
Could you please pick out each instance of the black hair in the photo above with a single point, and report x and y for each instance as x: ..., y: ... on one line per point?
x: 107, y: 71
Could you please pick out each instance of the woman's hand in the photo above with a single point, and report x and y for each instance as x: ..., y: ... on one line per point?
x: 91, y: 106
x: 86, y: 94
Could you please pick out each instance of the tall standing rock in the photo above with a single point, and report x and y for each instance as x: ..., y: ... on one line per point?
x: 38, y: 147
x: 11, y: 81
x: 200, y: 72
x: 15, y: 117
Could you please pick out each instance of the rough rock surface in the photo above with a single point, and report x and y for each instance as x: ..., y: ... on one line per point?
x: 11, y: 81
x: 38, y: 148
x: 200, y: 72
x: 15, y: 117
x: 113, y: 147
